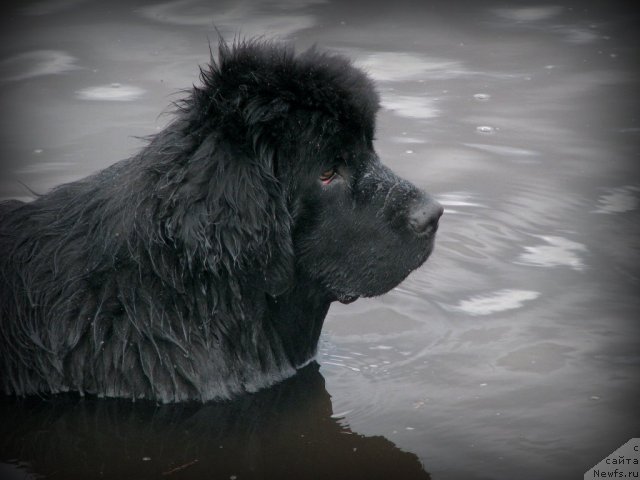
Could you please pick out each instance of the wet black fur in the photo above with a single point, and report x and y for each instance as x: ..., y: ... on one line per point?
x: 204, y: 266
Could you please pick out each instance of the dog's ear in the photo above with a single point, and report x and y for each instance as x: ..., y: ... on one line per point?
x: 225, y: 210
x: 228, y: 215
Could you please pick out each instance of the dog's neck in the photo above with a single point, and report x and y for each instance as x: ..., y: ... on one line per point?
x: 297, y: 317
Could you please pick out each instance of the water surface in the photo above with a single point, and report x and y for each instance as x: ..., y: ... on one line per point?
x: 513, y: 353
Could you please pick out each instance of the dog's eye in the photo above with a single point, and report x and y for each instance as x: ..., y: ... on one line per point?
x: 327, y: 176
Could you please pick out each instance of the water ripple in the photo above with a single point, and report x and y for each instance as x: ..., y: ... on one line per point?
x: 528, y: 14
x: 399, y: 66
x: 410, y: 106
x: 35, y: 64
x: 495, y: 302
x: 503, y: 150
x: 457, y: 200
x: 619, y: 200
x: 557, y: 252
x: 113, y: 93
x: 244, y: 17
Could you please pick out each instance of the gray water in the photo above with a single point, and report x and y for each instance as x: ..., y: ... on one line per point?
x: 513, y: 353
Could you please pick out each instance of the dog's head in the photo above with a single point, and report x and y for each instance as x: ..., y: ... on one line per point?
x: 293, y: 183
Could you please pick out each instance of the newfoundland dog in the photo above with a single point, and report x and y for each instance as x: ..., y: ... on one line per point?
x: 204, y: 266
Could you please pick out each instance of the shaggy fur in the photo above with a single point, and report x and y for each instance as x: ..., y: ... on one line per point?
x: 204, y: 266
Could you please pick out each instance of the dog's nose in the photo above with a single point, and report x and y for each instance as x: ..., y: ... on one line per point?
x: 424, y: 217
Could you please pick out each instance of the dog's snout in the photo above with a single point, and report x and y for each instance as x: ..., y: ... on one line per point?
x: 424, y: 217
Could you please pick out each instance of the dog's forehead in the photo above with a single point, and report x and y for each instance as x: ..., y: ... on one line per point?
x: 312, y: 80
x: 344, y: 140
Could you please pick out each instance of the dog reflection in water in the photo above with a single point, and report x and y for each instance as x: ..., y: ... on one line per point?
x: 286, y: 431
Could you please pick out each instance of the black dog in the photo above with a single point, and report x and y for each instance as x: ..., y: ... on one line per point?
x: 204, y: 266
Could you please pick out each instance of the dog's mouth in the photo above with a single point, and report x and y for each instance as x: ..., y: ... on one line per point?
x: 346, y: 299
